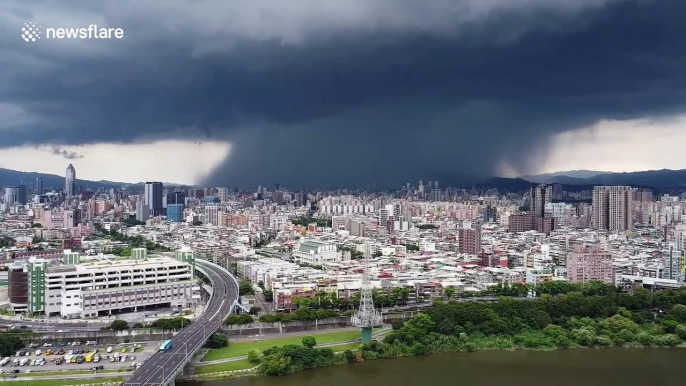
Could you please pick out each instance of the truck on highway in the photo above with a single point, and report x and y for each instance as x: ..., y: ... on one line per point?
x: 166, y: 346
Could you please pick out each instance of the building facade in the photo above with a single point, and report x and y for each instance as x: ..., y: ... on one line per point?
x: 612, y: 208
x: 315, y: 252
x: 587, y: 263
x: 70, y: 181
x: 103, y: 287
x: 153, y: 198
x: 175, y: 212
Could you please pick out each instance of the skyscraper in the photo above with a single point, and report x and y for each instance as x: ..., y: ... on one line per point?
x: 540, y: 195
x: 153, y: 198
x: 15, y: 194
x: 175, y: 212
x: 212, y: 215
x: 70, y: 181
x: 177, y: 197
x: 612, y: 208
x: 39, y: 186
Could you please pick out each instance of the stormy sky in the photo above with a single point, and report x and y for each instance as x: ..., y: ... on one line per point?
x: 310, y: 93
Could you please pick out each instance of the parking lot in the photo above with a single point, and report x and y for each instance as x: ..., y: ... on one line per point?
x: 68, y: 357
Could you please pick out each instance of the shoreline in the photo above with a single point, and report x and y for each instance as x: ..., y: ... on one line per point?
x: 252, y: 372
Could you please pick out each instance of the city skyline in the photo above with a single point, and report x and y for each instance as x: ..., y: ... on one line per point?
x: 333, y: 94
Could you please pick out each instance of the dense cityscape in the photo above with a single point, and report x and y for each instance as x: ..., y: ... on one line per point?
x: 420, y: 242
x: 359, y: 192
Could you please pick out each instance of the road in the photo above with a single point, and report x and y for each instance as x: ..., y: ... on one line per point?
x: 161, y: 366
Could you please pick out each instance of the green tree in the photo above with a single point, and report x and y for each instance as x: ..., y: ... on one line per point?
x: 669, y: 340
x: 678, y: 313
x: 10, y: 344
x: 254, y: 356
x: 254, y: 310
x: 217, y: 340
x: 119, y: 325
x: 275, y: 364
x: 349, y: 356
x: 681, y: 331
x: 309, y: 341
x: 449, y: 292
x: 645, y: 339
x: 245, y: 287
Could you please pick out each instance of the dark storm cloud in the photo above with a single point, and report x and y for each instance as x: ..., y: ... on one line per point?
x: 332, y: 96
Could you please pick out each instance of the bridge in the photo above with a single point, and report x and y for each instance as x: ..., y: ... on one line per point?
x: 163, y: 367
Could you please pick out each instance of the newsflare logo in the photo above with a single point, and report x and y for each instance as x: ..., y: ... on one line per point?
x: 32, y: 31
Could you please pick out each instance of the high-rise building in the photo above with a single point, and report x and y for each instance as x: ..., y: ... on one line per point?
x: 278, y: 197
x: 212, y: 214
x: 36, y: 270
x: 39, y: 186
x: 223, y: 194
x: 490, y: 213
x: 673, y: 263
x: 153, y: 198
x: 142, y: 212
x: 175, y: 212
x: 470, y: 241
x: 177, y: 197
x: 588, y: 263
x: 612, y: 208
x: 15, y: 194
x: 540, y: 195
x: 70, y: 181
x: 300, y: 199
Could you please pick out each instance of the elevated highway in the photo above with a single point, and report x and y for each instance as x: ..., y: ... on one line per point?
x: 163, y: 367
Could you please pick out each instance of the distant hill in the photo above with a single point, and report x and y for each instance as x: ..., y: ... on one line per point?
x: 14, y: 178
x: 571, y: 175
x: 660, y: 181
x: 664, y: 180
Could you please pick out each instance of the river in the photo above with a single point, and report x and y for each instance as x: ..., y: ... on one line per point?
x: 603, y: 367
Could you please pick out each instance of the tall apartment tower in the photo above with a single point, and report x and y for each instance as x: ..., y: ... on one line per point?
x: 153, y: 198
x: 70, y: 181
x: 612, y: 208
x: 39, y: 186
x: 540, y: 195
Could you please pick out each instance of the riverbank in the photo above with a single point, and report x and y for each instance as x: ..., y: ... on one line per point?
x: 568, y: 321
x: 607, y: 367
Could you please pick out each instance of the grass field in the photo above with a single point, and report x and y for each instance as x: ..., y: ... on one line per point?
x: 238, y: 349
x: 228, y: 366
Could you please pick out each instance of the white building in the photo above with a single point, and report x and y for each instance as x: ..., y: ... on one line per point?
x: 97, y: 288
x: 316, y: 252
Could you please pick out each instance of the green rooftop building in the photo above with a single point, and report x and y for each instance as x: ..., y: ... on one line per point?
x: 139, y: 254
x: 37, y: 270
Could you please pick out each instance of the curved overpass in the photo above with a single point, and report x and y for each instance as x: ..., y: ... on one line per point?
x: 163, y: 367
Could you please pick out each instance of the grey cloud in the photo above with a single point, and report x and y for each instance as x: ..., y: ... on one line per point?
x: 66, y: 153
x: 348, y: 92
